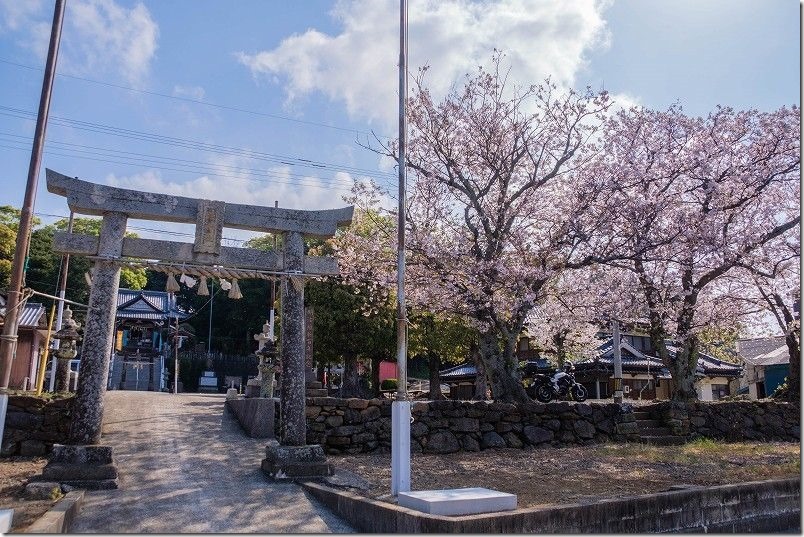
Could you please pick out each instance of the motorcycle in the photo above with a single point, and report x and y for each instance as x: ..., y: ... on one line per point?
x: 545, y: 388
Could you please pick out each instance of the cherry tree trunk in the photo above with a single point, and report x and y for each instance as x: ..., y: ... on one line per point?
x: 375, y: 375
x: 501, y: 370
x: 435, y: 377
x: 794, y: 377
x: 682, y: 370
x: 350, y: 381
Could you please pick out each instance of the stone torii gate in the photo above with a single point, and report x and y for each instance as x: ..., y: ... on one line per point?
x: 111, y: 250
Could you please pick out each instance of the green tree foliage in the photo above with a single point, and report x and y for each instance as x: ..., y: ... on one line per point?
x: 345, y: 333
x: 44, y: 264
x: 9, y: 223
x: 234, y: 322
x: 129, y: 278
x: 720, y: 343
x: 440, y: 340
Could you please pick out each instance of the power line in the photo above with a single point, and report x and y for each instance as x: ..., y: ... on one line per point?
x: 192, y: 144
x: 163, y: 163
x: 164, y: 168
x: 197, y: 101
x: 124, y: 154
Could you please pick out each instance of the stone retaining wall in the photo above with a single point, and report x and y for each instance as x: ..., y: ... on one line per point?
x: 259, y: 417
x: 34, y: 424
x: 746, y: 420
x: 361, y: 425
x: 733, y: 420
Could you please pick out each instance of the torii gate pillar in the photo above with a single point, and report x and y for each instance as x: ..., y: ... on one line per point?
x: 292, y: 459
x: 98, y: 333
x: 292, y: 422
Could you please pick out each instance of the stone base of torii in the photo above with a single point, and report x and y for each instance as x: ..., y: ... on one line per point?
x: 288, y: 458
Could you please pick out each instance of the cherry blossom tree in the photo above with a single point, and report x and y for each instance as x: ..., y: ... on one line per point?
x: 771, y: 282
x: 497, y: 208
x: 697, y: 198
x: 565, y: 324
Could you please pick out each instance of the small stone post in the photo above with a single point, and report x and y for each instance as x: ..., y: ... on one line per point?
x: 292, y: 423
x: 87, y: 411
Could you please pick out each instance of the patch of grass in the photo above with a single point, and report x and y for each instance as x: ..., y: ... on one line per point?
x: 703, y: 444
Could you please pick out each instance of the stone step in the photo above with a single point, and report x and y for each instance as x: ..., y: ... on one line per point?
x: 655, y: 431
x: 296, y: 470
x: 649, y: 423
x: 97, y: 454
x: 63, y: 471
x: 92, y: 484
x: 664, y: 440
x: 642, y: 416
x: 319, y: 392
x: 314, y: 385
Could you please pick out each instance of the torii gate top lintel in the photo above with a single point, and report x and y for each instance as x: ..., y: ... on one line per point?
x: 84, y: 197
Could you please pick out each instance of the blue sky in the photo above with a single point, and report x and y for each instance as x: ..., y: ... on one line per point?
x: 310, y: 79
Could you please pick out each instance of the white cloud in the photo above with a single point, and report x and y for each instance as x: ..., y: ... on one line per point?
x: 16, y: 13
x: 113, y: 37
x: 358, y: 66
x: 98, y: 36
x: 623, y: 101
x: 235, y: 181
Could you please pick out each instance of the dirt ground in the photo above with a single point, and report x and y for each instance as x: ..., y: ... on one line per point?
x: 551, y: 476
x: 14, y: 474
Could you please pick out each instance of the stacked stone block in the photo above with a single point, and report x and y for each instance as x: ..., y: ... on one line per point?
x: 34, y: 424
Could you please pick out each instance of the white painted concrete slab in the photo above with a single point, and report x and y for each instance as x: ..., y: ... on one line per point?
x: 469, y: 501
x: 6, y: 515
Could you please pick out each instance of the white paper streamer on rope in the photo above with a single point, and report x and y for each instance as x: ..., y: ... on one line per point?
x: 187, y: 280
x: 225, y: 285
x: 235, y: 291
x: 172, y: 286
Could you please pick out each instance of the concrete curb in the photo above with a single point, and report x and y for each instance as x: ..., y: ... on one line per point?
x: 60, y: 517
x: 760, y: 506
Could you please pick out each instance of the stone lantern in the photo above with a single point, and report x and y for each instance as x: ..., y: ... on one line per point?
x: 67, y: 336
x: 269, y: 364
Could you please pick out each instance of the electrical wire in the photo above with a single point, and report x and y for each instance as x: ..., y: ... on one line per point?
x: 190, y: 144
x: 101, y: 151
x: 197, y: 101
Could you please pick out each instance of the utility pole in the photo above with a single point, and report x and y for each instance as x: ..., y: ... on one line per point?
x: 400, y: 408
x: 65, y: 266
x: 211, y: 298
x: 8, y: 340
x: 271, y: 315
x: 618, y: 361
x: 176, y: 358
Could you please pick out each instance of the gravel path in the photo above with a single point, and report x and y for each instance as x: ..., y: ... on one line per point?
x: 186, y: 467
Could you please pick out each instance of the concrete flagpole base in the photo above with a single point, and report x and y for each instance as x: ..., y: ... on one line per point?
x: 400, y: 447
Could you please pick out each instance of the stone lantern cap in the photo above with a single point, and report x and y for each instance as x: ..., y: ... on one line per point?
x: 69, y: 330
